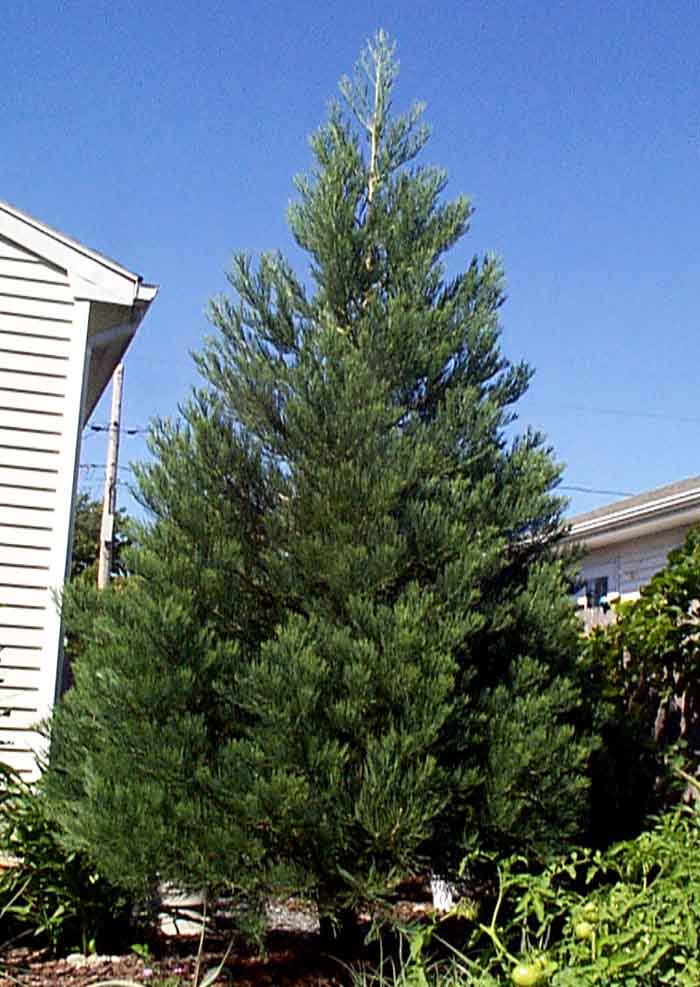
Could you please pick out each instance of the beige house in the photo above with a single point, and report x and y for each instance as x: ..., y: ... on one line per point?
x: 67, y: 315
x: 627, y: 542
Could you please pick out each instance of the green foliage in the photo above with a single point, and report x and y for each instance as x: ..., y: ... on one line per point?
x: 531, y: 752
x: 651, y: 654
x: 84, y: 563
x: 142, y: 950
x: 644, y: 673
x: 86, y: 538
x: 49, y: 892
x: 626, y: 917
x: 348, y: 596
x: 186, y: 783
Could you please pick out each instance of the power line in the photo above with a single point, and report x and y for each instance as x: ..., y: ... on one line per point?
x: 95, y: 484
x: 124, y: 430
x: 586, y: 409
x: 572, y: 488
x: 623, y: 413
x: 591, y: 490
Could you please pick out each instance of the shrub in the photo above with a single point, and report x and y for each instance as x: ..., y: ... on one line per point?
x: 48, y: 891
x: 644, y: 673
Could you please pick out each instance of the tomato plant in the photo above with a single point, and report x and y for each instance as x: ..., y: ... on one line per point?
x: 625, y: 917
x: 583, y: 930
x: 526, y: 975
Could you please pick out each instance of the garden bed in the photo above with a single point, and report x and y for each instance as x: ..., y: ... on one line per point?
x: 294, y: 959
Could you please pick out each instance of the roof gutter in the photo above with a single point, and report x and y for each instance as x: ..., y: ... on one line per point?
x: 657, y: 515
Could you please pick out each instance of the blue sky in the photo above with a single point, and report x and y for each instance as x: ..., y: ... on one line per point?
x: 166, y: 135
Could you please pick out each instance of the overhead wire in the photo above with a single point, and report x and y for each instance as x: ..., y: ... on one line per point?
x: 592, y: 490
x: 627, y: 413
x: 134, y: 430
x: 570, y: 488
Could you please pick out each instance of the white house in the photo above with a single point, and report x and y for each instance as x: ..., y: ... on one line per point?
x: 67, y: 315
x: 627, y: 542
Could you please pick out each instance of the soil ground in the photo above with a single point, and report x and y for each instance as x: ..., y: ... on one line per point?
x: 294, y: 957
x: 293, y: 960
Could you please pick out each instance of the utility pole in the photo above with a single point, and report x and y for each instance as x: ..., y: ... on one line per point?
x: 109, y: 504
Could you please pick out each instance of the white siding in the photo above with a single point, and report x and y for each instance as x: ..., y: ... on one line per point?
x: 52, y: 291
x: 643, y: 558
x: 630, y: 565
x: 40, y: 360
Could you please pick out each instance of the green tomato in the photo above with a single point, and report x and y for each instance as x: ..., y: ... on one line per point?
x: 526, y: 976
x: 583, y: 930
x: 590, y: 910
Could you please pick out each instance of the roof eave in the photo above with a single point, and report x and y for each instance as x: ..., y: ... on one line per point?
x: 146, y: 292
x: 654, y: 516
x: 96, y: 276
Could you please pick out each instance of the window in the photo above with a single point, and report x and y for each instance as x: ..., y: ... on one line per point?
x: 593, y: 590
x: 596, y: 589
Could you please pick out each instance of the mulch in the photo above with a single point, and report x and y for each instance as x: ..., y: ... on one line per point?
x: 294, y: 957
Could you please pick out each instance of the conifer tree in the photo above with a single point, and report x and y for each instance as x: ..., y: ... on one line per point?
x: 345, y: 651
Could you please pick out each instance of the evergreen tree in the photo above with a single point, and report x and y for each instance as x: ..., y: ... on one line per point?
x: 87, y: 528
x: 345, y: 651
